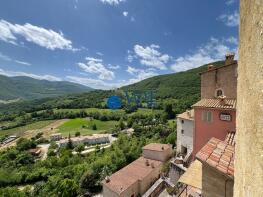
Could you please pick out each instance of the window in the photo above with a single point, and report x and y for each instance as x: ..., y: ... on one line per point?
x: 219, y: 92
x: 182, y: 121
x: 182, y: 131
x: 207, y: 116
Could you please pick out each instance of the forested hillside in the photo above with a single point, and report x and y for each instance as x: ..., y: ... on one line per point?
x: 26, y: 88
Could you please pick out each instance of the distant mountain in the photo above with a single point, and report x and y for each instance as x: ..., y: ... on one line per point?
x: 177, y: 85
x: 26, y: 88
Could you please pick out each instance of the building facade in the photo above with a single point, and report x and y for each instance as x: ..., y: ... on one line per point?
x: 185, y: 131
x: 137, y: 177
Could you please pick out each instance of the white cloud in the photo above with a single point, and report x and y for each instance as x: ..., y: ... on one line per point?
x: 112, y: 2
x: 149, y: 56
x: 7, y: 58
x: 231, y: 20
x: 93, y: 83
x: 230, y: 2
x: 125, y: 13
x: 18, y: 73
x: 99, y: 53
x: 23, y: 63
x: 95, y: 66
x: 140, y: 74
x: 46, y: 38
x: 113, y: 67
x: 132, y: 19
x: 232, y: 40
x: 212, y: 51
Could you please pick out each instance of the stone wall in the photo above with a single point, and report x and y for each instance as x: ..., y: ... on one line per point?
x: 249, y: 142
x: 224, y: 78
x: 158, y: 155
x: 215, y: 184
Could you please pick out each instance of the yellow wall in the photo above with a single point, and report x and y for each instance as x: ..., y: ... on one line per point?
x: 249, y: 142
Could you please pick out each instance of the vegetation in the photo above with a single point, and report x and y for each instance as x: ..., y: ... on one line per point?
x: 86, y: 127
x: 28, y: 88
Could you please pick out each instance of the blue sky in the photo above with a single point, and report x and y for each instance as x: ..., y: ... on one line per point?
x: 109, y: 43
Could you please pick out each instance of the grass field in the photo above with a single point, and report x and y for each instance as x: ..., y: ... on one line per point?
x: 84, y: 126
x: 22, y: 129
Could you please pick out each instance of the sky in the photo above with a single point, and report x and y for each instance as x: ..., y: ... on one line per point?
x: 105, y: 44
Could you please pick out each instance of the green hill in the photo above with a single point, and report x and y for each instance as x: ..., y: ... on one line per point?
x: 177, y: 85
x: 26, y: 88
x: 184, y: 86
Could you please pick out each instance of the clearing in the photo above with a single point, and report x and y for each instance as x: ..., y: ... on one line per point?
x: 84, y: 126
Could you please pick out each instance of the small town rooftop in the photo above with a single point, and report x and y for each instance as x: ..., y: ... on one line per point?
x: 227, y: 104
x: 219, y: 155
x: 129, y: 175
x: 157, y: 147
x: 187, y: 115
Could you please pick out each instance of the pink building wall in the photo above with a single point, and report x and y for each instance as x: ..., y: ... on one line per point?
x: 204, y: 131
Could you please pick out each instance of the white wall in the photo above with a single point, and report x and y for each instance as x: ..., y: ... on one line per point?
x: 185, y: 139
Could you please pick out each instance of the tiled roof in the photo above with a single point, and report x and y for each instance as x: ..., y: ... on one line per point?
x: 188, y: 115
x: 218, y: 154
x: 156, y: 147
x: 129, y: 175
x: 216, y: 103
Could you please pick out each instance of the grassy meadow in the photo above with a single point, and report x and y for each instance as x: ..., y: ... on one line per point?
x: 84, y: 126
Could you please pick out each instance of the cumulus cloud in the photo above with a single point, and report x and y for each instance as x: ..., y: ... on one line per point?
x: 112, y: 2
x: 113, y: 67
x: 140, y: 74
x: 212, y: 51
x: 231, y: 20
x: 18, y: 73
x: 125, y: 13
x: 95, y: 66
x: 40, y: 36
x: 149, y: 56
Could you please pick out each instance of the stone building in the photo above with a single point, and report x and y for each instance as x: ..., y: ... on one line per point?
x: 137, y: 177
x: 220, y: 81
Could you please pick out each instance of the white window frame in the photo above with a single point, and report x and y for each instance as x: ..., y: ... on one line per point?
x: 207, y: 116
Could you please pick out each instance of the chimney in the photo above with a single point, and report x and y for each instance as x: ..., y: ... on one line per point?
x: 210, y: 67
x: 222, y: 100
x: 229, y: 58
x: 147, y: 162
x: 188, y: 113
x: 107, y: 179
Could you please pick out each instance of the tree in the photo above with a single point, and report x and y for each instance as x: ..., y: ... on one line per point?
x: 77, y: 134
x: 169, y: 111
x: 80, y: 148
x: 69, y: 144
x: 25, y: 144
x: 121, y: 124
x: 94, y: 127
x: 67, y: 188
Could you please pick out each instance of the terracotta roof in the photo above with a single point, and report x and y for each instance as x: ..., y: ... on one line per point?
x: 188, y: 115
x: 219, y: 155
x: 129, y: 175
x: 216, y: 103
x: 217, y: 68
x: 157, y: 147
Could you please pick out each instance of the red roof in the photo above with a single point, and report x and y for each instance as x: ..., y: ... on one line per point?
x: 219, y: 155
x: 229, y: 104
x: 129, y: 175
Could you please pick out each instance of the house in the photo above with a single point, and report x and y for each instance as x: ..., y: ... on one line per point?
x: 215, y: 113
x: 185, y: 130
x: 89, y: 140
x: 212, y: 173
x: 137, y: 177
x: 56, y: 137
